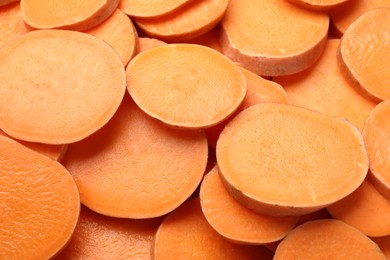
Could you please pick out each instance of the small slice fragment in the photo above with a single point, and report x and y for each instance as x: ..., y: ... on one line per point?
x: 376, y: 134
x: 365, y: 209
x: 273, y: 37
x: 119, y: 32
x: 186, y: 234
x: 185, y: 85
x: 136, y: 167
x: 327, y: 239
x: 149, y: 9
x: 110, y: 238
x: 284, y: 160
x: 66, y: 14
x: 235, y: 222
x: 319, y: 5
x: 324, y: 88
x: 190, y: 21
x: 68, y: 85
x: 39, y: 203
x: 364, y: 54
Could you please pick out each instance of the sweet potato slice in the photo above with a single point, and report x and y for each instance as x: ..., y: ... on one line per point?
x: 280, y: 159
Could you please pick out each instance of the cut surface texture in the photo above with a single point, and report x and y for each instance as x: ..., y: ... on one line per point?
x: 185, y: 85
x: 376, y: 134
x: 136, y: 167
x: 364, y: 54
x: 69, y: 85
x: 327, y: 239
x: 66, y: 14
x: 280, y: 159
x: 273, y: 37
x: 39, y: 203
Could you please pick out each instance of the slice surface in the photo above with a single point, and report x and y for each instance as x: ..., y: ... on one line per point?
x: 69, y: 85
x: 39, y: 203
x: 280, y: 159
x: 364, y: 53
x: 185, y: 85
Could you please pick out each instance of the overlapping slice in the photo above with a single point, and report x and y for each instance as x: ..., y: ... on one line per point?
x: 185, y: 85
x: 319, y: 5
x: 98, y: 236
x: 11, y: 23
x: 119, y: 32
x: 136, y: 167
x: 273, y: 37
x: 280, y: 159
x: 327, y: 239
x: 364, y: 53
x: 188, y: 22
x: 66, y: 14
x: 363, y: 204
x: 186, y: 234
x: 149, y: 9
x: 55, y: 152
x: 324, y: 88
x: 376, y: 134
x: 235, y: 222
x: 344, y: 15
x: 68, y: 85
x: 39, y: 203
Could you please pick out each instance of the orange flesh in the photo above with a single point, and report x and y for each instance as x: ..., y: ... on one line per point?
x: 319, y: 4
x: 283, y: 38
x: 364, y: 53
x: 376, y: 134
x: 100, y: 237
x: 155, y: 8
x: 119, y: 32
x: 185, y: 85
x: 280, y: 159
x: 365, y: 203
x: 235, y: 222
x: 11, y: 23
x: 327, y: 239
x: 185, y: 234
x: 324, y: 88
x: 69, y: 85
x: 69, y: 14
x: 55, y: 152
x: 259, y: 90
x: 146, y: 43
x: 189, y: 22
x: 344, y: 15
x: 39, y: 203
x: 135, y: 167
